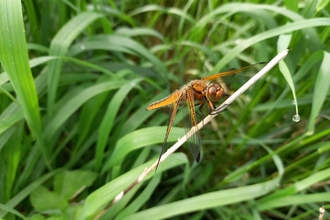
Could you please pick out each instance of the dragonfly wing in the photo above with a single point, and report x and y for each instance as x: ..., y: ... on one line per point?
x: 167, y: 101
x: 248, y: 69
x: 194, y: 142
x: 175, y: 106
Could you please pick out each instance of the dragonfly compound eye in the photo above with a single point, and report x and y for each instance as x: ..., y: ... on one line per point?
x: 214, y: 92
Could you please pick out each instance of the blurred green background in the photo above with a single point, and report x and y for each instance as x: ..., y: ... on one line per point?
x: 77, y: 76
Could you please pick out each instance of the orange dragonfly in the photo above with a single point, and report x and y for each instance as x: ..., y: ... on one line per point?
x: 196, y: 92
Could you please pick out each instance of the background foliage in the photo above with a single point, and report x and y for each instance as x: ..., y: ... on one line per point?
x: 76, y: 79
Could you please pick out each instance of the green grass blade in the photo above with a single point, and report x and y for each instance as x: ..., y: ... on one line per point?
x: 64, y: 112
x: 139, y: 32
x: 120, y: 44
x: 206, y: 201
x: 14, y: 58
x: 11, y: 210
x: 321, y: 89
x: 59, y: 47
x: 298, y: 25
x: 137, y: 139
x: 109, y: 118
x: 276, y: 199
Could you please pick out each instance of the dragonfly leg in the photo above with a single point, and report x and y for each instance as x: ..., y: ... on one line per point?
x: 218, y: 111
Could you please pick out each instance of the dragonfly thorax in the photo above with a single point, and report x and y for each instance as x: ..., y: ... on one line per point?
x: 198, y: 88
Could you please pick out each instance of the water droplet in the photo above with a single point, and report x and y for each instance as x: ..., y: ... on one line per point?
x: 82, y: 47
x: 294, y: 102
x: 296, y: 118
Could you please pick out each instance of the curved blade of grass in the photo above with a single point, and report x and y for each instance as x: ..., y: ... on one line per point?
x: 11, y: 158
x: 207, y: 201
x: 143, y: 72
x: 59, y: 47
x: 37, y: 47
x: 33, y: 62
x: 89, y: 113
x: 138, y: 139
x: 11, y: 210
x: 75, y: 102
x: 6, y: 135
x: 303, y: 72
x: 322, y: 147
x: 109, y: 118
x: 174, y: 11
x: 247, y: 7
x: 33, y: 20
x: 14, y: 58
x: 321, y: 88
x: 121, y: 44
x: 3, y: 78
x: 182, y: 20
x: 112, y: 11
x: 13, y: 113
x: 243, y: 169
x: 139, y: 31
x: 322, y: 4
x: 298, y: 25
x: 254, y: 9
x: 288, y: 77
x: 209, y: 53
x: 294, y: 200
x: 99, y: 44
x: 274, y: 200
x: 283, y: 42
x: 251, y: 8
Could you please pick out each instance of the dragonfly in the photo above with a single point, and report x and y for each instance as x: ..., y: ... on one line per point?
x: 199, y: 92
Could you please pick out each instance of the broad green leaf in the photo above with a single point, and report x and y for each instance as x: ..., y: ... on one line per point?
x: 20, y: 196
x: 69, y: 183
x: 43, y: 199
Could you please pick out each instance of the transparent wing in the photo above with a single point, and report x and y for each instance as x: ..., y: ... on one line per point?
x: 247, y: 69
x: 189, y: 116
x: 175, y: 106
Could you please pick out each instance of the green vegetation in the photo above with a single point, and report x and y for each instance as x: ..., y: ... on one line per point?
x: 77, y: 76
